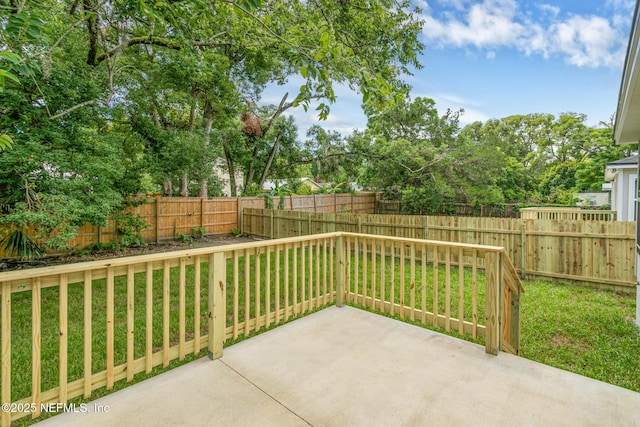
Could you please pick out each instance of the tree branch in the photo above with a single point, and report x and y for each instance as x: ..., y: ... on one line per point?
x: 154, y: 41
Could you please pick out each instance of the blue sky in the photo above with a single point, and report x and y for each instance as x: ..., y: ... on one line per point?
x: 496, y: 58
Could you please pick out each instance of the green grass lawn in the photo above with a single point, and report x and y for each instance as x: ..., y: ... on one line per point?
x: 583, y: 330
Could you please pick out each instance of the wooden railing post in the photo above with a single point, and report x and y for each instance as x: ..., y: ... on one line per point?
x: 217, y: 303
x: 493, y: 277
x: 341, y: 270
x: 515, y: 322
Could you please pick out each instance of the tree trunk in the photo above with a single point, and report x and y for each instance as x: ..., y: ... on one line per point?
x: 272, y: 154
x: 184, y: 185
x: 282, y: 107
x: 203, y: 191
x: 232, y: 174
x: 167, y: 187
x: 252, y: 164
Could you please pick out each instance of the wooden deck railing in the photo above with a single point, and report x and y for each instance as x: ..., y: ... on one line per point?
x: 81, y: 327
x: 471, y: 289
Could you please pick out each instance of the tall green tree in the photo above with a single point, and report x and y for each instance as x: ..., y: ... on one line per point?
x: 111, y: 97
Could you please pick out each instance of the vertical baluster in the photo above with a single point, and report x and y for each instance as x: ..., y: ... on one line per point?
x: 257, y: 290
x: 356, y: 270
x: 474, y: 290
x: 149, y: 319
x: 295, y: 279
x: 182, y: 283
x: 196, y: 302
x: 324, y: 272
x: 383, y: 282
x: 310, y: 283
x: 286, y: 282
x: 392, y: 289
x: 267, y: 296
x: 64, y: 337
x: 364, y: 271
x: 331, y: 270
x: 413, y: 281
x: 436, y: 263
x: 130, y: 318
x: 236, y: 293
x: 373, y: 273
x: 110, y: 337
x: 166, y: 307
x: 303, y: 269
x: 277, y: 285
x: 247, y: 292
x: 460, y: 291
x: 317, y: 283
x: 36, y: 342
x: 402, y: 279
x: 447, y: 295
x: 423, y: 305
x: 347, y: 279
x: 6, y: 351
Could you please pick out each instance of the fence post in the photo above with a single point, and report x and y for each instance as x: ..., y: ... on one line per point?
x: 217, y: 303
x: 426, y: 228
x: 514, y: 333
x: 157, y: 219
x: 202, y: 214
x: 492, y: 301
x: 341, y: 269
x: 271, y: 224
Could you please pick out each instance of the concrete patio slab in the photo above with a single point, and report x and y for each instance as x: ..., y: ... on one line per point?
x: 348, y: 367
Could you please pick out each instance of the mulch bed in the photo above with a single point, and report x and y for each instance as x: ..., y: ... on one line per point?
x: 8, y: 264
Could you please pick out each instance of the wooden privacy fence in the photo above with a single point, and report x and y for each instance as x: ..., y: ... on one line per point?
x: 600, y: 253
x: 392, y: 207
x: 575, y: 214
x: 81, y: 327
x: 169, y: 217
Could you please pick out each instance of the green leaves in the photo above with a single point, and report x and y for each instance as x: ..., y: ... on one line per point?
x: 5, y: 142
x: 251, y: 4
x: 24, y: 26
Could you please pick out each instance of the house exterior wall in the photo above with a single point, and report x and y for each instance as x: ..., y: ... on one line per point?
x: 637, y: 204
x: 222, y: 173
x: 593, y: 199
x: 623, y: 193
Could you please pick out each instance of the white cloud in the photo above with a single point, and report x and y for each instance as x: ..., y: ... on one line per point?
x: 550, y: 9
x: 472, y: 109
x: 586, y: 41
x: 581, y: 40
x: 490, y: 23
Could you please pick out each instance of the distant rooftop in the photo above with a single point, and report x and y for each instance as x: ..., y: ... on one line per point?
x: 631, y: 160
